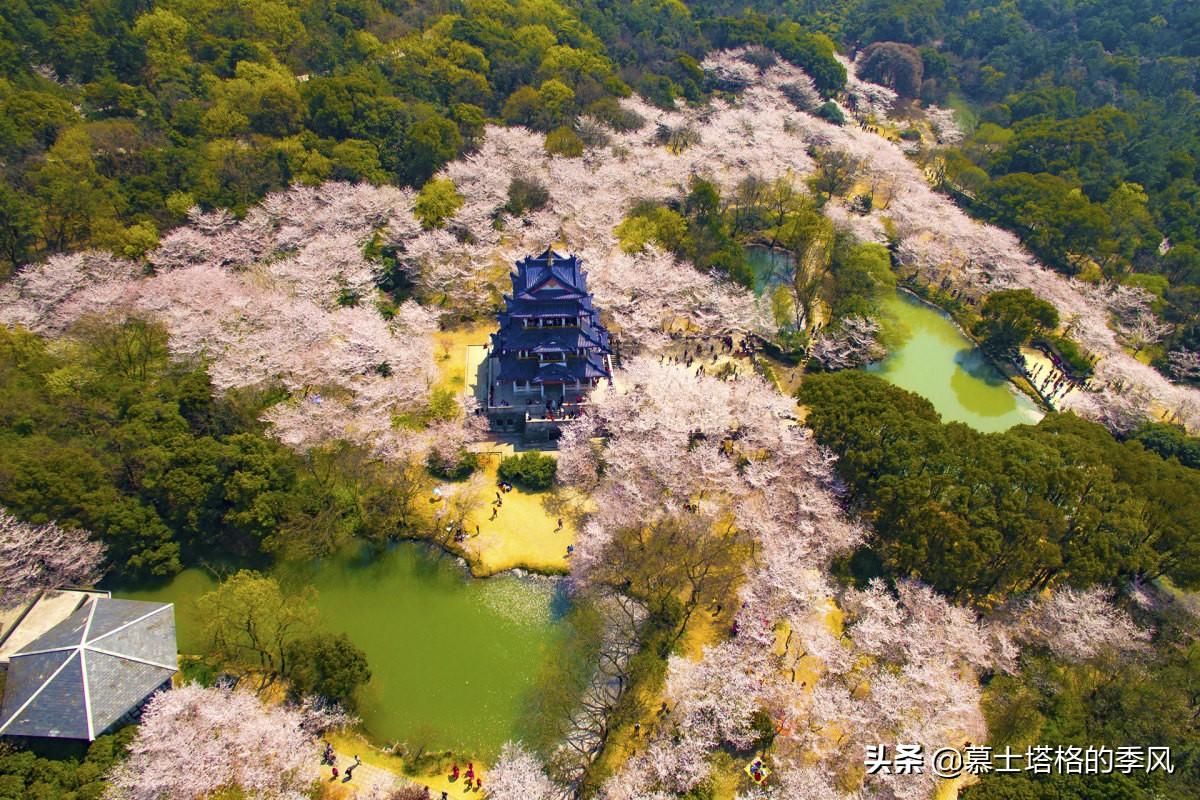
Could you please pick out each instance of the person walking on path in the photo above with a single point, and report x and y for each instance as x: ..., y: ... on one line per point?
x: 350, y: 769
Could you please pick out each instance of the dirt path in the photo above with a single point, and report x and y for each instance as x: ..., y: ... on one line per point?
x: 382, y: 771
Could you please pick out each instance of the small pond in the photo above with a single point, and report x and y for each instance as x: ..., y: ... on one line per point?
x: 931, y: 357
x: 453, y: 659
x: 928, y: 355
x: 771, y: 267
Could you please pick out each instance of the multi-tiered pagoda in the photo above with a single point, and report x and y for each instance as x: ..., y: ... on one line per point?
x: 550, y: 350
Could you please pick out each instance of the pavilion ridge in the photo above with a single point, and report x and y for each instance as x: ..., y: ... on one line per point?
x: 550, y: 349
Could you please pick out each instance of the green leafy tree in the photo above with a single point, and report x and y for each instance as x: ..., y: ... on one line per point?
x: 1052, y: 216
x: 328, y: 666
x: 1010, y: 317
x: 1060, y: 502
x: 79, y: 202
x: 893, y: 64
x: 252, y: 627
x: 26, y: 775
x: 20, y: 226
x: 436, y: 202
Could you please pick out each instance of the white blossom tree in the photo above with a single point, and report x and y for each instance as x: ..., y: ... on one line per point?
x: 194, y: 742
x: 34, y: 558
x: 518, y: 775
x: 1077, y: 624
x: 677, y: 442
x: 851, y: 342
x: 1184, y: 365
x: 283, y: 296
x: 301, y: 251
x: 318, y: 716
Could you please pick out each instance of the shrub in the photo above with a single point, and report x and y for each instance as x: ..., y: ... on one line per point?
x: 452, y: 468
x: 564, y: 142
x: 525, y: 196
x: 831, y: 113
x: 530, y: 470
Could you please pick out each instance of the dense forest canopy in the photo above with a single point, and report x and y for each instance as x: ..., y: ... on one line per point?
x: 1088, y: 129
x: 118, y: 116
x: 1081, y: 134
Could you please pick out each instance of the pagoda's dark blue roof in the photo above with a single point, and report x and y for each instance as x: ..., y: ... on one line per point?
x: 548, y: 339
x: 541, y: 308
x: 550, y: 273
x: 530, y: 369
x: 87, y: 672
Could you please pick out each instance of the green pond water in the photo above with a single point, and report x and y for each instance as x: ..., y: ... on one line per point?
x: 932, y: 358
x: 453, y: 659
x: 928, y: 355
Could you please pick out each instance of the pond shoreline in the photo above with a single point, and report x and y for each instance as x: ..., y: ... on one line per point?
x: 474, y: 566
x: 911, y: 288
x: 1018, y: 381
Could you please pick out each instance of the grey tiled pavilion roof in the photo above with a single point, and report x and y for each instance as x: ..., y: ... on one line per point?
x: 89, y: 670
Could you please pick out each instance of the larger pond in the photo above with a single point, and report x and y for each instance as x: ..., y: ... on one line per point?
x: 931, y: 357
x: 453, y: 659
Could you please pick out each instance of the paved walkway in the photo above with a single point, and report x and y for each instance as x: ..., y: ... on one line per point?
x: 367, y: 779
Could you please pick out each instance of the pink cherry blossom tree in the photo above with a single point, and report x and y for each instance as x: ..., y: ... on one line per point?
x: 284, y: 296
x: 677, y: 442
x: 935, y: 240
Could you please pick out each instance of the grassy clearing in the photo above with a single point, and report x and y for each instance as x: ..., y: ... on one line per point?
x: 524, y: 532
